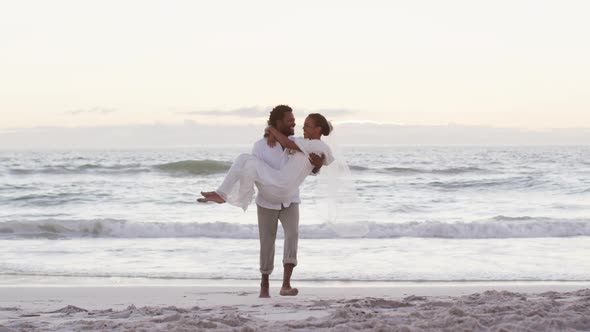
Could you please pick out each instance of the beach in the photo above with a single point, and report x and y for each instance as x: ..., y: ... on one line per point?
x: 411, y: 166
x: 346, y: 307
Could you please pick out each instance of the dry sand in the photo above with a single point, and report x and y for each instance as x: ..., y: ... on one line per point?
x: 400, y: 307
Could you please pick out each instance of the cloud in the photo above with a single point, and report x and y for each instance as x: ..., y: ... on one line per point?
x: 93, y: 110
x: 368, y: 122
x: 243, y: 112
x: 452, y: 134
x: 254, y: 112
x: 335, y: 112
x: 192, y: 134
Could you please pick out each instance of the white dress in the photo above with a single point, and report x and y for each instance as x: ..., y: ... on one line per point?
x: 278, y: 185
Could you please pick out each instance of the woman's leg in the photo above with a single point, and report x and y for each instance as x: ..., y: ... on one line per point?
x: 232, y: 176
x: 241, y: 173
x: 238, y: 183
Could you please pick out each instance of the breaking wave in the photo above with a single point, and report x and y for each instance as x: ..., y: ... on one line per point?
x: 410, y: 170
x: 442, y: 171
x: 195, y: 167
x: 184, y: 167
x: 497, y: 227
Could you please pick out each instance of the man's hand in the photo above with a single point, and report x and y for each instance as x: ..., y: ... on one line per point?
x: 317, y: 162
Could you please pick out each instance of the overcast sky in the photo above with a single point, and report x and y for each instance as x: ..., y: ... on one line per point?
x: 517, y: 64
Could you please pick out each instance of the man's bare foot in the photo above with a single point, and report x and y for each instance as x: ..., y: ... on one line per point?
x: 264, y: 293
x: 212, y: 198
x: 289, y: 291
x: 207, y: 193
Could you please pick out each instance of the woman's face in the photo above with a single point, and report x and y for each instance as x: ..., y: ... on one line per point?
x: 310, y: 130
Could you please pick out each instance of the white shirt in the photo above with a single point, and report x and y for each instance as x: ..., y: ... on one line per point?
x: 275, y: 157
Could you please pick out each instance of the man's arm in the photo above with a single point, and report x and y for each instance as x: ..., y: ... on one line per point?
x: 256, y: 150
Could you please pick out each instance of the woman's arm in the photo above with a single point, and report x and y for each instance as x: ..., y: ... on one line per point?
x: 284, y: 140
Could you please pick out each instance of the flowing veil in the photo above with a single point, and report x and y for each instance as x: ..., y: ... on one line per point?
x: 337, y: 199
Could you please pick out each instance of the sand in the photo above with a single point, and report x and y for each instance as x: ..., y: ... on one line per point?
x: 353, y: 307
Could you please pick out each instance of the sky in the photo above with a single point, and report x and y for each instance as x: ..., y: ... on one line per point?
x: 499, y: 64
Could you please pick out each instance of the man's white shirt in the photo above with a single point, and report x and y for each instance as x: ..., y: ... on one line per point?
x: 276, y: 158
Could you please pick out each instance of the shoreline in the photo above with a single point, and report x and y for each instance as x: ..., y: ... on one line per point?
x: 8, y: 280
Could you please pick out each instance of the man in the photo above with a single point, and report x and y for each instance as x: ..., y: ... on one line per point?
x: 282, y: 118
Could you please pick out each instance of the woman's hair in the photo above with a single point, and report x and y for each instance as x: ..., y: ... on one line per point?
x: 321, y: 121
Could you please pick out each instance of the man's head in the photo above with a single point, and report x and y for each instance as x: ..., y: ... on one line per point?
x: 282, y: 118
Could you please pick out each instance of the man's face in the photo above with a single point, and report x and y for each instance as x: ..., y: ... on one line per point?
x: 287, y: 124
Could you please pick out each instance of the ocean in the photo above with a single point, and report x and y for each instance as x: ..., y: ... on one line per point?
x: 437, y: 213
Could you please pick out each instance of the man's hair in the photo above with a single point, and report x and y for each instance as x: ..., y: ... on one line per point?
x: 277, y: 114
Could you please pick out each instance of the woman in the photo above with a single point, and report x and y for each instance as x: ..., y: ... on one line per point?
x: 238, y: 186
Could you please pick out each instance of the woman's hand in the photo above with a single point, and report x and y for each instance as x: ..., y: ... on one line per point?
x: 285, y: 142
x: 271, y: 140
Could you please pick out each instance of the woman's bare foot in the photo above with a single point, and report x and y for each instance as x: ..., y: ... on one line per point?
x: 212, y: 198
x: 207, y: 193
x: 289, y: 291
